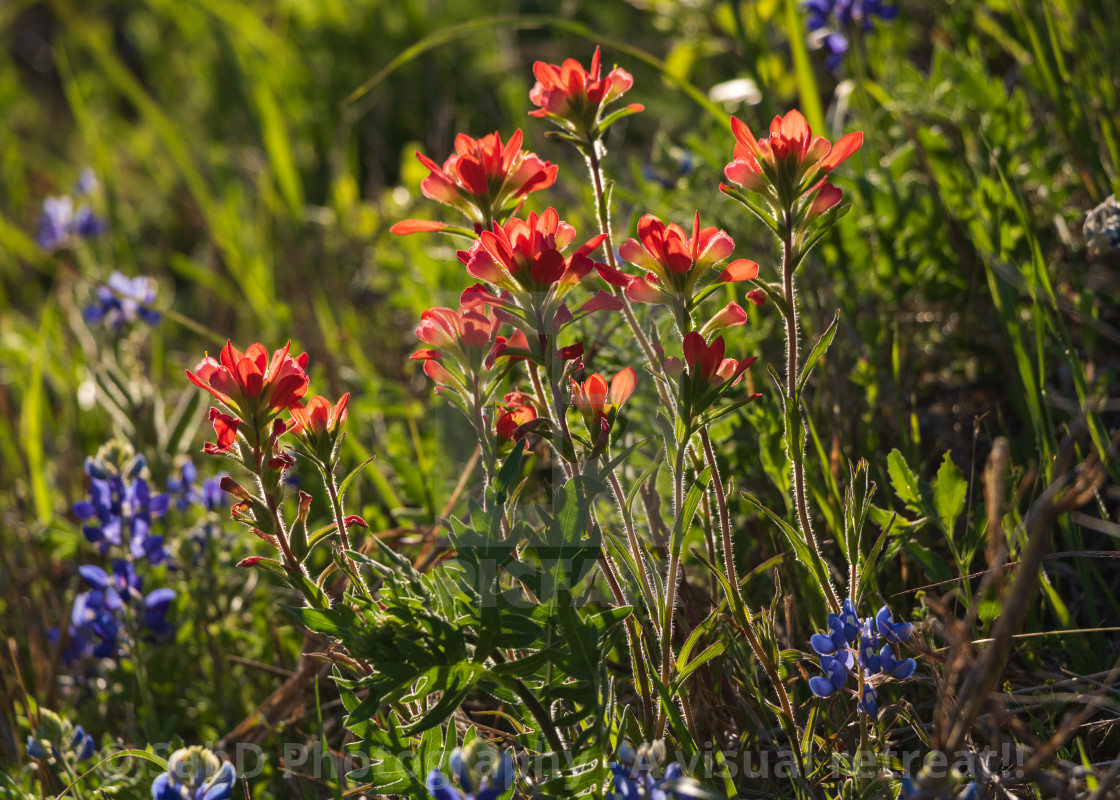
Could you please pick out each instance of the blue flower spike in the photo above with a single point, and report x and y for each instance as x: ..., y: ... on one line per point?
x: 899, y: 669
x: 868, y: 701
x: 55, y: 738
x: 831, y: 21
x: 869, y: 643
x: 869, y: 649
x: 835, y: 639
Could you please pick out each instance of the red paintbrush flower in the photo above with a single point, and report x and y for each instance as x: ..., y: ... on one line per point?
x: 318, y: 416
x: 706, y: 364
x: 483, y: 179
x: 790, y: 161
x: 225, y: 429
x: 525, y: 255
x: 463, y: 343
x: 597, y: 403
x: 674, y: 261
x: 574, y: 97
x: 250, y: 383
x: 511, y: 418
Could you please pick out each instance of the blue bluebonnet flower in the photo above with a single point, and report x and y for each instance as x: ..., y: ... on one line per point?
x: 87, y: 182
x: 829, y: 20
x: 156, y: 604
x: 212, y: 497
x: 868, y: 644
x: 195, y: 773
x: 57, y: 738
x: 483, y: 774
x: 631, y: 784
x: 181, y: 485
x: 119, y: 513
x: 95, y: 619
x: 59, y: 222
x: 123, y: 300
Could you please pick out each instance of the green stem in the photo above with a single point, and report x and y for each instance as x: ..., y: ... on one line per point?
x: 670, y: 608
x: 733, y: 579
x: 791, y: 390
x: 635, y: 545
x: 340, y: 523
x: 602, y: 213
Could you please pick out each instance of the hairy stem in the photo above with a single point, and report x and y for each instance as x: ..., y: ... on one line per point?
x: 603, y: 214
x: 340, y: 523
x: 733, y: 579
x: 791, y: 390
x: 671, y: 584
x: 635, y: 545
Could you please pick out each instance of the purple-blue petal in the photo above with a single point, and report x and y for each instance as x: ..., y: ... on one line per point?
x: 821, y: 686
x: 822, y: 644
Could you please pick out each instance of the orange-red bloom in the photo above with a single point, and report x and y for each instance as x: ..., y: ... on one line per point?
x: 789, y: 160
x: 512, y: 418
x: 482, y: 179
x: 707, y: 364
x: 674, y: 260
x: 252, y: 384
x: 526, y: 255
x: 225, y: 429
x: 598, y: 404
x: 318, y: 416
x: 575, y: 97
x: 463, y: 341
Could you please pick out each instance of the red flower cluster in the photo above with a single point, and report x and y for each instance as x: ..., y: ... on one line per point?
x: 707, y: 365
x: 482, y: 179
x: 786, y: 164
x: 598, y: 405
x: 258, y: 388
x: 319, y: 416
x: 517, y: 411
x: 462, y: 342
x: 674, y: 261
x: 526, y: 255
x: 254, y: 386
x: 574, y: 97
x: 250, y: 382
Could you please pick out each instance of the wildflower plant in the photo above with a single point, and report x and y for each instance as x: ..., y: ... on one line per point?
x: 511, y: 359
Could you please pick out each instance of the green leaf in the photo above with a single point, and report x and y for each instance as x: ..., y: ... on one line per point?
x: 805, y: 555
x: 353, y: 474
x: 336, y: 622
x: 755, y: 208
x: 688, y: 509
x: 818, y: 352
x: 611, y: 119
x: 949, y: 494
x: 710, y: 652
x: 906, y: 484
x: 511, y: 467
